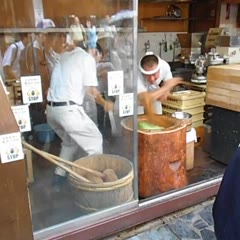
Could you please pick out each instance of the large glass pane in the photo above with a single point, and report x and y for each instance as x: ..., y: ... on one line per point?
x: 72, y: 65
x: 72, y: 69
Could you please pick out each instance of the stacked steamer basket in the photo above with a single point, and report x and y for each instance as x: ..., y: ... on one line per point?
x: 189, y: 101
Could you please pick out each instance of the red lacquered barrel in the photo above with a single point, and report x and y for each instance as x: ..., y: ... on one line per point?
x: 161, y: 154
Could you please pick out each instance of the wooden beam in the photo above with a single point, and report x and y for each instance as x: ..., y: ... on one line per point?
x: 15, y: 221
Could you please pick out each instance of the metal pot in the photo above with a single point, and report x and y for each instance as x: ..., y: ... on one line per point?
x: 185, y: 117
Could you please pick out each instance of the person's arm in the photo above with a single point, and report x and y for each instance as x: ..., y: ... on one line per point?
x: 161, y: 94
x: 102, y: 73
x: 9, y: 72
x: 167, y: 88
x: 8, y: 59
x: 107, y: 105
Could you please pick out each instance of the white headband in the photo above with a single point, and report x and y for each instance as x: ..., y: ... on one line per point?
x: 152, y: 71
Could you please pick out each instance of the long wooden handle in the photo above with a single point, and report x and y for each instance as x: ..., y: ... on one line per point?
x: 94, y: 172
x: 43, y: 154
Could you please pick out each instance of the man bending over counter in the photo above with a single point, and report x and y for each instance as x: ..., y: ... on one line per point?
x: 155, y: 82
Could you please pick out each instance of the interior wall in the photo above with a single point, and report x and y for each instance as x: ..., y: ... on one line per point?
x: 155, y: 40
x: 81, y: 8
x: 15, y: 13
x: 38, y: 10
x: 229, y: 20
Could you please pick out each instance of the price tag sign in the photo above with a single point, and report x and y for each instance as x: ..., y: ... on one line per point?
x: 22, y: 116
x: 11, y: 147
x: 31, y: 89
x: 126, y: 104
x: 115, y: 83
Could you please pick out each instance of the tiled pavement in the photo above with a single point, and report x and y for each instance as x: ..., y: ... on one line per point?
x: 195, y: 222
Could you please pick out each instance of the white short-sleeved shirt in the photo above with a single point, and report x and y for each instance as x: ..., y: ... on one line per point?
x: 75, y: 71
x: 12, y: 57
x: 145, y: 86
x: 77, y: 32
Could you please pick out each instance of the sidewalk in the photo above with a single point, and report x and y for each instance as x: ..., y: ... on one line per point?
x: 195, y: 222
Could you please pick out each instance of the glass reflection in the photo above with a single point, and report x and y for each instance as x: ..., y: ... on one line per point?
x: 79, y: 158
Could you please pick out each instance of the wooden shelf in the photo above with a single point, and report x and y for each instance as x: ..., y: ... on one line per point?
x: 231, y: 1
x: 202, y: 19
x: 178, y: 19
x: 166, y: 1
x: 197, y: 15
x: 164, y: 19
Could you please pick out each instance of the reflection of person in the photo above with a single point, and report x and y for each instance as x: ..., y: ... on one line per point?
x: 35, y: 55
x: 109, y: 62
x: 11, y: 58
x: 155, y: 82
x: 72, y: 77
x: 35, y: 62
x: 91, y: 35
x: 104, y: 23
x: 124, y: 45
x: 78, y: 32
x: 2, y: 50
x: 50, y: 55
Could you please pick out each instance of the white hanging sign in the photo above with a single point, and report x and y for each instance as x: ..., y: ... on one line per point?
x: 31, y: 89
x: 115, y: 83
x: 21, y: 113
x: 126, y: 104
x: 11, y: 147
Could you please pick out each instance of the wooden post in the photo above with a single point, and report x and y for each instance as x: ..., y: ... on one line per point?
x: 14, y: 205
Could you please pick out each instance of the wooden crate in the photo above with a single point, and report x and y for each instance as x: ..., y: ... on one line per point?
x: 223, y: 86
x: 190, y: 155
x: 200, y: 136
x: 191, y: 138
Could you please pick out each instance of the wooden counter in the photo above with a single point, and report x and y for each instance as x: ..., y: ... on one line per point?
x: 223, y: 86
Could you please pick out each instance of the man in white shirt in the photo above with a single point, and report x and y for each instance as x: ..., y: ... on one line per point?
x: 73, y: 76
x: 11, y: 58
x: 155, y: 82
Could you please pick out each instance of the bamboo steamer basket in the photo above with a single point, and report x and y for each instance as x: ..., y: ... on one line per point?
x: 92, y: 197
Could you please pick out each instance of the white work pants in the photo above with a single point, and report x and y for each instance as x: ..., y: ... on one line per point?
x: 76, y: 130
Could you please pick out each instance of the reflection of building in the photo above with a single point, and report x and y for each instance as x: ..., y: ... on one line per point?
x: 55, y: 214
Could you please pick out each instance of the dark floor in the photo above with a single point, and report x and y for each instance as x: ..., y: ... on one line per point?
x: 50, y: 207
x: 195, y: 222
